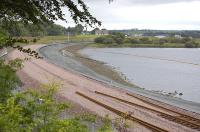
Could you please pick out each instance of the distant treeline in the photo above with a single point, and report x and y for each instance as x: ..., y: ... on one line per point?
x: 119, y: 39
x: 169, y: 33
x: 18, y: 29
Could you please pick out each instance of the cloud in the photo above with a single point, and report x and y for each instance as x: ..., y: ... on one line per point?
x: 148, y: 14
x: 141, y: 2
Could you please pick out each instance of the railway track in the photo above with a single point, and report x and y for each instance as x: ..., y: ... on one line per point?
x: 181, y: 115
x: 177, y: 119
x: 120, y: 113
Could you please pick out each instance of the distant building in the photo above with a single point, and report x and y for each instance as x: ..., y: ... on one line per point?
x: 86, y: 32
x: 101, y: 32
x: 160, y: 36
x: 177, y: 36
x: 137, y: 35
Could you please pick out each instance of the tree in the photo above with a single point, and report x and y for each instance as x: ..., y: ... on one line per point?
x: 118, y: 37
x: 93, y: 31
x: 79, y: 29
x: 45, y: 11
x: 54, y: 29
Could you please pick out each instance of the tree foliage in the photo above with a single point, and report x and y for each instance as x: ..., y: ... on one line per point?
x: 37, y: 111
x: 45, y: 11
x: 117, y: 38
x: 19, y: 29
x: 8, y: 78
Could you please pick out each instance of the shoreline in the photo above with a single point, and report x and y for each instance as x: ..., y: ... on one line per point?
x: 66, y: 63
x: 107, y: 70
x: 97, y: 66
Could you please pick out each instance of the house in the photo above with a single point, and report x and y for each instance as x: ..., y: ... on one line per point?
x: 101, y: 32
x: 137, y: 35
x: 160, y: 36
x: 178, y: 36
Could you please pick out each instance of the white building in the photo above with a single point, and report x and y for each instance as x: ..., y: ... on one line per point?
x: 160, y: 36
x: 137, y: 35
x: 177, y: 36
x: 101, y: 32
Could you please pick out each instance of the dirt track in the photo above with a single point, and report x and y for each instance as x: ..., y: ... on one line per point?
x: 44, y: 72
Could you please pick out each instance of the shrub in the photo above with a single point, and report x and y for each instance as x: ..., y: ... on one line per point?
x: 34, y: 40
x: 118, y: 38
x: 104, y: 40
x: 134, y: 41
x: 108, y: 41
x: 189, y: 45
x: 145, y: 40
x: 99, y: 40
x: 8, y: 80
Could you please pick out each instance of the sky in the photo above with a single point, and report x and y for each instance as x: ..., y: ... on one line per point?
x: 144, y: 14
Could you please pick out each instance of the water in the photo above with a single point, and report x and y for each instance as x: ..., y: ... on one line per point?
x: 159, y: 69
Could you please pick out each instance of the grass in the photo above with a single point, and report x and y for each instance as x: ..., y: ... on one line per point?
x: 57, y: 39
x: 64, y: 38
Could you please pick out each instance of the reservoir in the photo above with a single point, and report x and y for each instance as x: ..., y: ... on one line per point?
x: 164, y: 70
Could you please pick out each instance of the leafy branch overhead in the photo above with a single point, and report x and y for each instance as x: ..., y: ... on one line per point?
x: 45, y: 11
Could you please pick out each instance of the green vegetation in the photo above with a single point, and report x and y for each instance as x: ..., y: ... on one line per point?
x: 167, y: 42
x: 64, y: 38
x: 106, y: 127
x: 167, y: 33
x: 45, y: 11
x: 19, y: 29
x: 117, y: 38
x: 8, y: 80
x: 37, y: 111
x: 32, y: 110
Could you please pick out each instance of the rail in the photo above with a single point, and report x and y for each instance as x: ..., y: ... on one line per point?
x: 176, y: 119
x: 120, y: 113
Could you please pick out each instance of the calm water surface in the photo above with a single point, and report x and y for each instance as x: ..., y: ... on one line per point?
x: 159, y: 69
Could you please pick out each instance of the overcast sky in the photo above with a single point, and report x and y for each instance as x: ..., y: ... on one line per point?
x: 145, y: 14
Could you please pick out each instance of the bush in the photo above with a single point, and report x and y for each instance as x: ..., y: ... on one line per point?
x: 108, y: 41
x: 145, y: 40
x: 118, y: 37
x: 34, y: 40
x: 8, y: 80
x: 104, y: 40
x: 99, y: 40
x: 134, y: 41
x: 189, y: 45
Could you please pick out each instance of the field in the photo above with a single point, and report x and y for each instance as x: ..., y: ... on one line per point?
x: 90, y: 39
x: 64, y: 38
